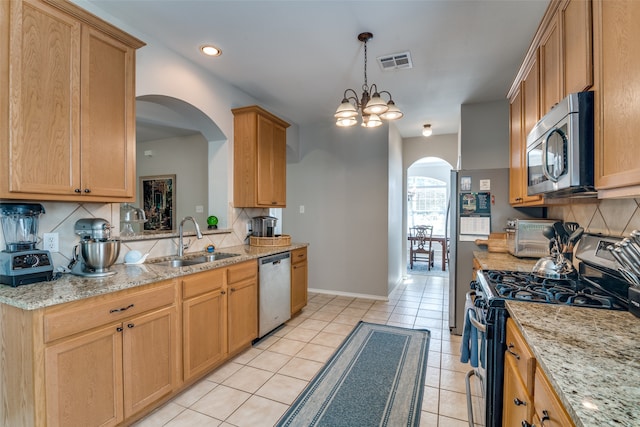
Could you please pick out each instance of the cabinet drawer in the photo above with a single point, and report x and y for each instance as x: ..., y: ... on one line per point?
x: 68, y: 319
x: 239, y: 272
x: 200, y: 283
x: 519, y: 352
x: 546, y: 404
x: 298, y: 255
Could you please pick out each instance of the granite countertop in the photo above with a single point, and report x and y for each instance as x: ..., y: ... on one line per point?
x: 71, y: 288
x: 591, y: 357
x: 503, y: 261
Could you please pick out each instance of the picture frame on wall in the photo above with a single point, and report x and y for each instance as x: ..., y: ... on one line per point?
x: 158, y: 198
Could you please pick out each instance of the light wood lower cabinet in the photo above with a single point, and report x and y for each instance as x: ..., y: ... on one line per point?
x: 529, y: 399
x: 242, y: 305
x: 299, y: 281
x: 104, y: 375
x: 220, y: 315
x: 108, y: 360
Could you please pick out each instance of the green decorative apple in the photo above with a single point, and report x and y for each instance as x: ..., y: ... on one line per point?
x: 212, y: 221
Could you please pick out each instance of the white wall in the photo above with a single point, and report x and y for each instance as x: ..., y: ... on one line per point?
x: 342, y: 180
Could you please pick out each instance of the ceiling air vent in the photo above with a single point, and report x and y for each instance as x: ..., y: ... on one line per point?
x: 395, y: 61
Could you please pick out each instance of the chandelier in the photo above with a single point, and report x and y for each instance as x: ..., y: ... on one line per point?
x: 371, y: 105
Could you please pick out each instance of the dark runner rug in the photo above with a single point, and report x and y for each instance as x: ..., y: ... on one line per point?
x: 375, y: 378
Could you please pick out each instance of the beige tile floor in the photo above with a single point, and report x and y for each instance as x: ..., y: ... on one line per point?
x: 256, y: 387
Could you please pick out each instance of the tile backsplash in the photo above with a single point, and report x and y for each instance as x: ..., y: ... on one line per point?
x: 60, y: 217
x: 615, y: 217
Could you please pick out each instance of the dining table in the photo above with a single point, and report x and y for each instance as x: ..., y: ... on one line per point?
x: 443, y: 242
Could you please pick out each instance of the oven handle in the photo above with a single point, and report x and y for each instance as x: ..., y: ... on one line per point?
x: 472, y: 315
x: 467, y: 380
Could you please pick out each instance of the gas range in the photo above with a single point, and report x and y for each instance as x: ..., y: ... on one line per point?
x: 597, y: 283
x: 515, y: 285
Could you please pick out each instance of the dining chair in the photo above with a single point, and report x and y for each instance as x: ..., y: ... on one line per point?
x: 420, y: 248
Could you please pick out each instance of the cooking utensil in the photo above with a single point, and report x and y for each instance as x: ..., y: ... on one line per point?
x: 548, y: 232
x: 561, y: 233
x: 574, y: 237
x: 570, y: 227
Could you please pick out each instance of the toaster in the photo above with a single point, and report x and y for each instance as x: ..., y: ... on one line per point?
x: 525, y: 238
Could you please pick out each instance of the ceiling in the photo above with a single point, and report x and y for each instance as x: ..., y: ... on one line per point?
x: 296, y: 57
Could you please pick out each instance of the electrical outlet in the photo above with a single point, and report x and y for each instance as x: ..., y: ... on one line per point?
x: 50, y: 242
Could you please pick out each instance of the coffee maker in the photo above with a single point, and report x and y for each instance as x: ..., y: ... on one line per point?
x: 97, y: 251
x: 21, y: 263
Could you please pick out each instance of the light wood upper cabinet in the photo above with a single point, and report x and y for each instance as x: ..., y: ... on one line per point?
x: 260, y: 158
x: 558, y: 62
x: 69, y: 82
x: 577, y: 46
x: 524, y: 114
x: 550, y: 66
x: 617, y: 97
x: 299, y: 277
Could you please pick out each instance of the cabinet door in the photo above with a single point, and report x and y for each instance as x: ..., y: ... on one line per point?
x: 550, y: 66
x: 108, y: 116
x: 149, y: 358
x: 548, y: 407
x: 204, y: 329
x: 517, y: 405
x: 516, y: 145
x: 84, y: 380
x: 242, y: 314
x: 298, y: 279
x: 617, y: 98
x: 44, y: 102
x: 577, y: 48
x: 272, y: 163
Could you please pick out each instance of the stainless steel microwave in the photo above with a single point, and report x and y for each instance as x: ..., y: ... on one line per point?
x: 560, y: 157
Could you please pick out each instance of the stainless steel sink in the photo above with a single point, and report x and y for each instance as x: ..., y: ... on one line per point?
x: 186, y: 262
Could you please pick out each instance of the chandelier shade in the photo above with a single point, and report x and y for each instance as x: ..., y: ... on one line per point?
x: 371, y: 106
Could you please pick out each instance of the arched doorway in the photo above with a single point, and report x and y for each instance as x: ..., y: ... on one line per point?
x: 427, y: 200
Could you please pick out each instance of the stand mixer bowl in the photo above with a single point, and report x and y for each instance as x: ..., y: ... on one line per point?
x: 99, y: 255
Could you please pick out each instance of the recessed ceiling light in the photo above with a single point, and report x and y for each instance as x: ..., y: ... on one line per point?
x: 210, y: 50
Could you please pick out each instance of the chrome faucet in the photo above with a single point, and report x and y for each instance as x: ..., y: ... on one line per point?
x: 181, y: 245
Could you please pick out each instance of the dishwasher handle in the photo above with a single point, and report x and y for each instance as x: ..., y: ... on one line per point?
x: 275, y: 259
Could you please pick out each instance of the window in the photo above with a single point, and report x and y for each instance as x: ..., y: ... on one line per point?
x: 427, y: 203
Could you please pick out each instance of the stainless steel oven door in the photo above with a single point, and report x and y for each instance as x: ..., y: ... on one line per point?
x: 475, y: 379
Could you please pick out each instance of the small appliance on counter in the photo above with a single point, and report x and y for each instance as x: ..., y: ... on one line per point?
x: 129, y: 214
x: 98, y: 251
x: 21, y: 263
x: 525, y: 238
x: 263, y: 226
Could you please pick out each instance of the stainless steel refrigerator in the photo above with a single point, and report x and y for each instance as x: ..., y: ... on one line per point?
x: 461, y: 252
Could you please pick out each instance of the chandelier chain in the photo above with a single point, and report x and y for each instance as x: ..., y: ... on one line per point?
x: 366, y: 85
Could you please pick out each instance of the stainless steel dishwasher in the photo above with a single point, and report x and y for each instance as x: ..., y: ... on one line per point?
x: 275, y: 291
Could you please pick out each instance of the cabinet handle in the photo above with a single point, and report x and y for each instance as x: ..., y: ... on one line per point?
x: 527, y: 424
x: 222, y: 292
x: 116, y: 310
x: 545, y: 417
x: 274, y: 203
x: 119, y: 329
x: 519, y: 402
x: 130, y: 325
x: 77, y: 190
x: 516, y: 355
x: 233, y: 289
x: 86, y: 190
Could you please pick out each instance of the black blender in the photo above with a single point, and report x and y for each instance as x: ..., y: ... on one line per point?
x: 21, y: 263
